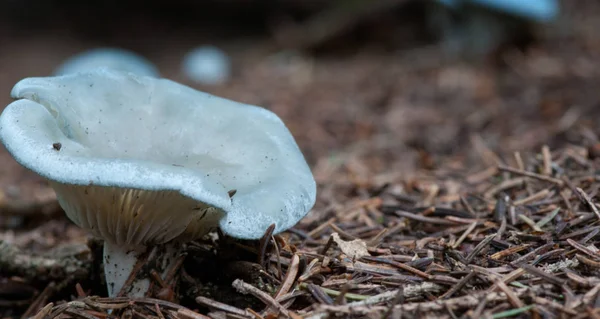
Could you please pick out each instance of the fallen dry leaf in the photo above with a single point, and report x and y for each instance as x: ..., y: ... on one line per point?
x: 354, y: 249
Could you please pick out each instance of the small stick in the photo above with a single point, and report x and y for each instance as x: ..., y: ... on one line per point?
x: 175, y: 268
x: 377, y: 238
x: 152, y: 301
x: 582, y: 248
x: 464, y: 235
x: 341, y: 298
x: 158, y: 312
x: 466, y: 205
x: 546, y: 276
x: 79, y: 290
x: 221, y: 306
x: 40, y: 300
x: 486, y: 241
x: 327, y: 245
x: 468, y: 301
x: 254, y: 313
x: 530, y: 174
x: 188, y: 314
x: 587, y: 261
x: 156, y: 276
x: 507, y: 184
x: 400, y: 265
x: 321, y: 228
x: 510, y: 295
x: 43, y: 312
x: 343, y: 233
x: 547, y: 158
x: 245, y: 288
x: 530, y: 222
x: 588, y: 201
x: 424, y: 219
x: 532, y: 198
x: 519, y: 161
x: 78, y: 313
x: 319, y: 294
x: 458, y: 286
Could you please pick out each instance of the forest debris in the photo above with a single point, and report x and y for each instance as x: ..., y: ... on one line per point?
x: 221, y: 306
x: 530, y: 174
x: 465, y: 255
x: 246, y: 288
x: 354, y: 249
x: 16, y: 262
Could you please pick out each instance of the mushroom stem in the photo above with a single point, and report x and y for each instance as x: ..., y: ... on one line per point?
x: 121, y: 262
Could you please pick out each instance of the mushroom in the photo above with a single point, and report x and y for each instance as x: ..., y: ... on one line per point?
x: 114, y: 58
x: 475, y: 28
x: 144, y: 162
x: 207, y: 65
x: 536, y: 10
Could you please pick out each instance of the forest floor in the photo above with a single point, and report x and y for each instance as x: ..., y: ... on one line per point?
x: 446, y: 189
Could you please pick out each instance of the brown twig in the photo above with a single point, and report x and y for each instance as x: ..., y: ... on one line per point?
x: 552, y: 180
x: 245, y: 288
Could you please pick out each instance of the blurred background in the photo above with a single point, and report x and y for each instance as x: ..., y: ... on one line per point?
x: 374, y: 91
x: 398, y: 84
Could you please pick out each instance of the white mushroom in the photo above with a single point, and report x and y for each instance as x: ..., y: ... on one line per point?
x: 207, y: 65
x: 475, y: 28
x: 113, y: 58
x: 536, y: 10
x: 141, y: 161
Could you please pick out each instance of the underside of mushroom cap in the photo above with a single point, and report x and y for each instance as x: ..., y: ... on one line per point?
x: 134, y: 217
x: 114, y: 129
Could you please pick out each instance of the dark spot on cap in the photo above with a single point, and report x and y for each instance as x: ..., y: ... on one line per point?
x: 57, y: 146
x: 232, y: 192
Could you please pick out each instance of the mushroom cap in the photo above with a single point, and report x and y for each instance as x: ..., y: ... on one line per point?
x: 113, y: 58
x: 106, y: 128
x: 539, y: 10
x: 207, y: 65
